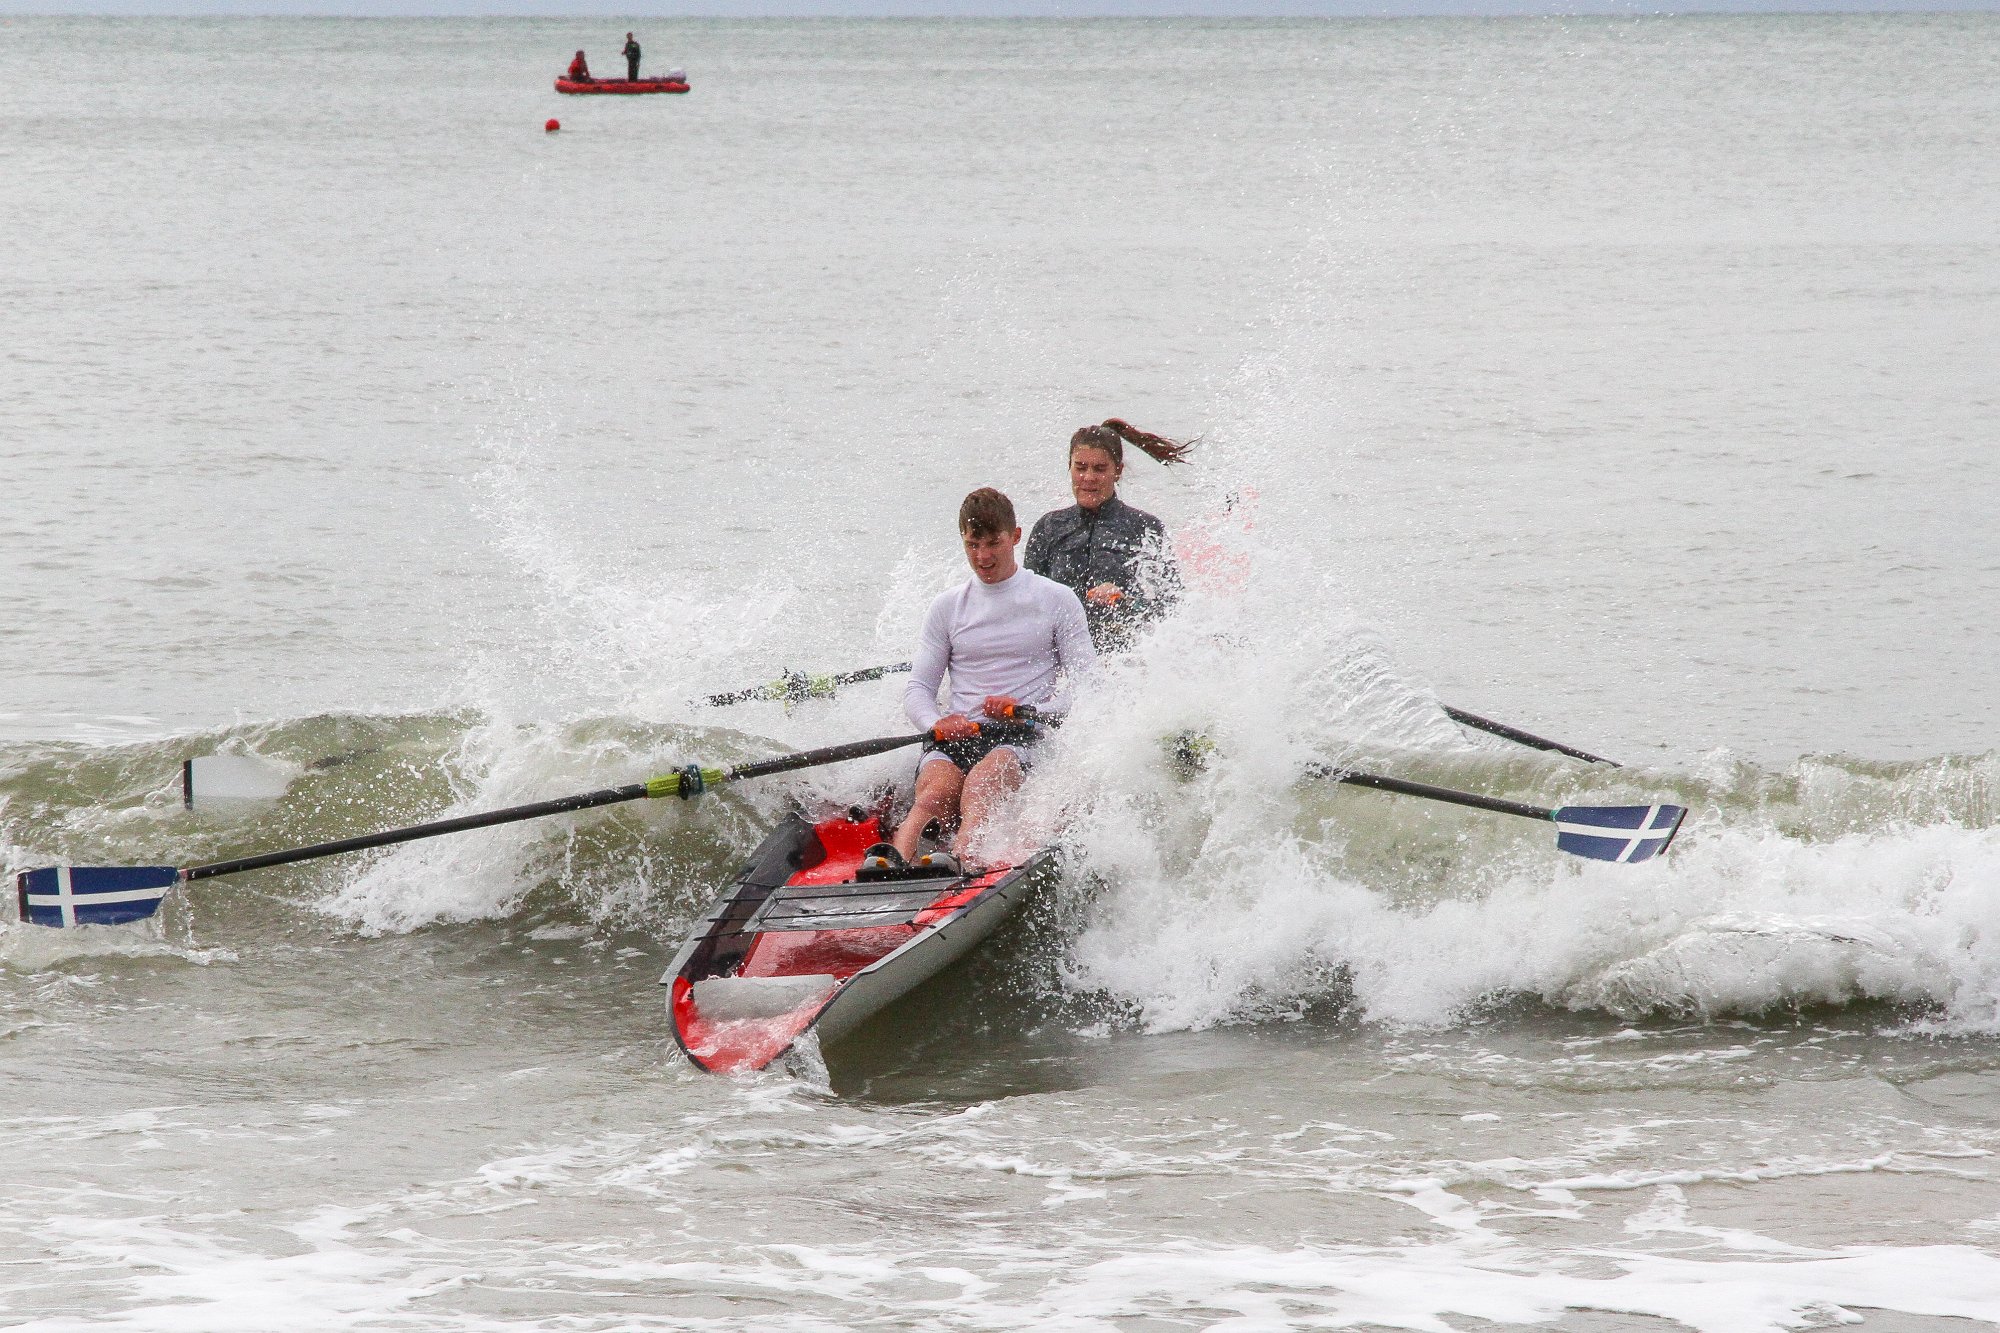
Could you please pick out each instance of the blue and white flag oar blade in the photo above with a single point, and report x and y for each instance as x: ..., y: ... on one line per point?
x: 1623, y: 833
x: 93, y: 895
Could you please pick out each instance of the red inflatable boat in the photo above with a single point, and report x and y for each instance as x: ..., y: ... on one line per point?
x: 621, y: 86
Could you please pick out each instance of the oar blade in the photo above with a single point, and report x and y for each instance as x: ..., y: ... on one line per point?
x: 216, y: 779
x: 93, y: 895
x: 1620, y: 833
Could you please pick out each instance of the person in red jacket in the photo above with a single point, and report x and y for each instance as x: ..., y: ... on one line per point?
x: 579, y: 70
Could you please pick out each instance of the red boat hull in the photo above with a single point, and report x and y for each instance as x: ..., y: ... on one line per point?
x: 620, y: 87
x: 797, y: 945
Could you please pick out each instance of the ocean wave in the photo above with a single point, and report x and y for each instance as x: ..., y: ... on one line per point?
x: 1229, y: 894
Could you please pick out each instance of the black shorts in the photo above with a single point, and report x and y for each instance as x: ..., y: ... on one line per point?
x: 970, y: 751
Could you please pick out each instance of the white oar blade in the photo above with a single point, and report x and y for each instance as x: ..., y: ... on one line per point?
x: 213, y: 779
x: 1621, y: 833
x: 93, y: 895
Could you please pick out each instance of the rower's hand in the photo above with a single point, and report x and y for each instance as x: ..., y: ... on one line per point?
x: 1000, y: 707
x: 957, y: 727
x: 1104, y: 594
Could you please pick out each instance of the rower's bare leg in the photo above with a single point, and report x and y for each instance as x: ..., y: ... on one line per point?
x: 991, y: 781
x: 938, y: 785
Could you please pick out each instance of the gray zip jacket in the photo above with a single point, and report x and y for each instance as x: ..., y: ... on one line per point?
x: 1117, y: 544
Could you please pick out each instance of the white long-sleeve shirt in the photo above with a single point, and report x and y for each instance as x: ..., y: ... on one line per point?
x: 1024, y: 636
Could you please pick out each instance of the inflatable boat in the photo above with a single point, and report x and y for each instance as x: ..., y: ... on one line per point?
x: 622, y: 87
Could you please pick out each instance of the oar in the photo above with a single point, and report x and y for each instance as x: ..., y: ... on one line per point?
x: 1622, y: 833
x: 1521, y: 737
x: 209, y: 780
x: 107, y: 895
x: 228, y: 777
x: 794, y: 686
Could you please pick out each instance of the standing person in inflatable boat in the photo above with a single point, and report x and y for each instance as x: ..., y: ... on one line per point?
x: 1112, y: 556
x: 631, y: 54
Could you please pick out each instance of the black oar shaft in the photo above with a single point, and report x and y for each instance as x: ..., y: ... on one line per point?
x: 797, y: 685
x: 870, y: 673
x: 637, y: 791
x: 1527, y: 738
x: 1424, y: 789
x: 608, y: 796
x: 832, y: 754
x: 678, y: 783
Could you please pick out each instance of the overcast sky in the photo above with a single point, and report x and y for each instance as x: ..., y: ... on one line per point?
x: 994, y: 8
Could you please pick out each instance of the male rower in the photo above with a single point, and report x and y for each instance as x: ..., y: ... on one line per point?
x: 1006, y: 637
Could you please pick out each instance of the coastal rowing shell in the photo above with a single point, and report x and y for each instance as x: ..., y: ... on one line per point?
x: 799, y: 945
x: 622, y: 87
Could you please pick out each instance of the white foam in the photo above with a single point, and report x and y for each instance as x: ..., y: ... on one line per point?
x: 598, y: 1216
x: 1430, y: 1287
x: 174, y: 1276
x: 1737, y: 920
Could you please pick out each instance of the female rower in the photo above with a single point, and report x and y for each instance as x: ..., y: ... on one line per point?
x: 1109, y: 554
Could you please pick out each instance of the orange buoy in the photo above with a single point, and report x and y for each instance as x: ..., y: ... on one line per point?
x: 552, y: 126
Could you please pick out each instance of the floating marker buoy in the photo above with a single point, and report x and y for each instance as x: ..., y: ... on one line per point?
x: 552, y: 126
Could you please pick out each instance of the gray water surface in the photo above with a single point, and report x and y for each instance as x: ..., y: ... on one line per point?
x: 1630, y: 380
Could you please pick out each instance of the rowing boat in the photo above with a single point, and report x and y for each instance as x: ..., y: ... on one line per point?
x: 800, y: 944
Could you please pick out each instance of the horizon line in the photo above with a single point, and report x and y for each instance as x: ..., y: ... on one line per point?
x: 1114, y: 12
x: 1044, y: 10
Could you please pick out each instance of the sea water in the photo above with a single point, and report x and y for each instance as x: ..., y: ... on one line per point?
x: 1630, y: 380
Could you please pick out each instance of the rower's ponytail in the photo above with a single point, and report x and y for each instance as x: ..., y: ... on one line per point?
x: 1114, y: 434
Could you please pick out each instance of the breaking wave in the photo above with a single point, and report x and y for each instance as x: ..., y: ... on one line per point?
x: 1228, y: 893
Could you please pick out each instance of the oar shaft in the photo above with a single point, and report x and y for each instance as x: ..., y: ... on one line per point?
x: 1424, y: 789
x: 797, y: 685
x: 832, y: 754
x: 670, y: 785
x: 609, y: 796
x: 73, y: 895
x: 869, y: 673
x: 1527, y: 738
